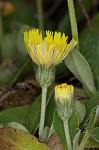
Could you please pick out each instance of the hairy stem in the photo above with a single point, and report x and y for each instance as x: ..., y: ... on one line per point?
x: 67, y: 134
x: 73, y: 21
x: 42, y: 115
x: 84, y: 140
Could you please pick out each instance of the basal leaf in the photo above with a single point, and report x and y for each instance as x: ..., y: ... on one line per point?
x: 80, y: 110
x: 28, y: 116
x: 76, y: 140
x: 59, y: 129
x: 73, y: 123
x: 95, y: 134
x: 91, y: 143
x: 90, y: 104
x: 81, y: 69
x: 50, y: 111
x: 18, y: 140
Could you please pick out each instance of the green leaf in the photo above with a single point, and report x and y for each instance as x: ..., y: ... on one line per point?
x: 76, y: 140
x: 73, y: 123
x: 51, y: 131
x: 32, y: 118
x: 97, y: 115
x: 90, y: 46
x: 97, y: 123
x: 95, y: 134
x: 80, y: 110
x: 91, y: 43
x: 59, y: 129
x: 16, y: 114
x: 50, y: 110
x: 19, y: 140
x: 16, y: 125
x: 45, y: 134
x: 90, y: 104
x: 81, y: 69
x: 91, y: 121
x: 28, y: 116
x: 91, y: 143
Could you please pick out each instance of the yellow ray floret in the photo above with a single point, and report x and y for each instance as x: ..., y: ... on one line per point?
x: 64, y: 92
x: 50, y: 50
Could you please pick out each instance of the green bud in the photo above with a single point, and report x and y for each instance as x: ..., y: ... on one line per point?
x: 64, y: 100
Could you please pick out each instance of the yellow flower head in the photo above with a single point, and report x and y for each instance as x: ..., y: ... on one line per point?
x: 50, y: 50
x: 64, y: 92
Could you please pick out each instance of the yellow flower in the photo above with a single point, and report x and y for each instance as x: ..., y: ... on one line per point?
x: 50, y: 50
x: 64, y: 92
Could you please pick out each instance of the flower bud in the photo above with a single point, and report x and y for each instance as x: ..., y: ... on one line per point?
x: 64, y: 95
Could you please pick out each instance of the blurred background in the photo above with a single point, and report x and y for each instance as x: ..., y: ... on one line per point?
x: 17, y: 80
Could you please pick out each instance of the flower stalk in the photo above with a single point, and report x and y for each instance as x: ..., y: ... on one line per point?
x: 67, y: 134
x: 42, y: 116
x: 73, y: 21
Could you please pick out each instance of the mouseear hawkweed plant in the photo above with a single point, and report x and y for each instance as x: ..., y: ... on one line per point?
x: 46, y: 53
x: 75, y: 122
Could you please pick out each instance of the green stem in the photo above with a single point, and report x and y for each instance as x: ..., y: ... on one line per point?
x: 84, y: 140
x: 40, y: 14
x: 42, y: 115
x: 67, y: 134
x: 73, y: 21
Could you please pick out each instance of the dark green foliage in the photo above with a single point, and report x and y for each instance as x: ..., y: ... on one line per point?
x: 28, y: 116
